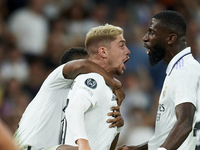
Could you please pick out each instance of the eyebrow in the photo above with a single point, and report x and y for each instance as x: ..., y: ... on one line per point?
x: 124, y: 41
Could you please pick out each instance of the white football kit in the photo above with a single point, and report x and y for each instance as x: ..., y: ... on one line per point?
x: 91, y: 90
x: 41, y: 123
x: 181, y: 85
x: 197, y: 127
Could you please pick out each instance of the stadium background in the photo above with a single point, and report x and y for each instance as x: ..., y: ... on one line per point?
x: 33, y: 36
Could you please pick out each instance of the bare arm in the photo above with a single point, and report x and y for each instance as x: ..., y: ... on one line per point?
x: 67, y: 147
x: 76, y: 67
x: 143, y: 146
x: 83, y: 144
x: 114, y: 143
x: 182, y: 128
x: 6, y: 140
x: 73, y: 68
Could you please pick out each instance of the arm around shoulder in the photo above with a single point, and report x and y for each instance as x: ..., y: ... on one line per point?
x: 82, y: 66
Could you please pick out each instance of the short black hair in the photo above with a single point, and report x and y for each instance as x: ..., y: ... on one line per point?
x: 173, y: 20
x: 72, y: 54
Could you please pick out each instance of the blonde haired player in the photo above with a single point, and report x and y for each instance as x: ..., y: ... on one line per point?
x: 90, y: 98
x: 43, y: 120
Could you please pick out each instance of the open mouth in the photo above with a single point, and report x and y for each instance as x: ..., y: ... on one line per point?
x: 126, y: 59
x: 148, y: 49
x: 125, y: 62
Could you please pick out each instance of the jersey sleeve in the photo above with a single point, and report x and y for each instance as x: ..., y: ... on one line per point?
x: 185, y: 88
x: 91, y: 86
x: 78, y: 105
x: 56, y: 80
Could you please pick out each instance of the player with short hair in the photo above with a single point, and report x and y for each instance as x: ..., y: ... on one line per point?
x: 41, y: 123
x: 174, y: 129
x: 90, y: 98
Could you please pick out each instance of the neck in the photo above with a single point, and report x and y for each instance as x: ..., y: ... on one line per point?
x: 101, y: 63
x: 175, y: 49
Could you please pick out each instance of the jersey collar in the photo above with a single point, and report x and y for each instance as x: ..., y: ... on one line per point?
x: 176, y: 58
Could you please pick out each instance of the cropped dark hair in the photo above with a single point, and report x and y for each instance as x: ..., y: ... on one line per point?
x: 173, y: 20
x: 72, y: 54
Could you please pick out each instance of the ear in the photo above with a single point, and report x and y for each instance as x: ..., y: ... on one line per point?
x: 102, y: 51
x: 171, y: 39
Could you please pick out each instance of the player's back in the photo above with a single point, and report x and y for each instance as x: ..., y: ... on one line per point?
x: 40, y: 125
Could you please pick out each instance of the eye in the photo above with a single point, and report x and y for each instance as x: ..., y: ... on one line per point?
x: 150, y: 31
x: 122, y: 45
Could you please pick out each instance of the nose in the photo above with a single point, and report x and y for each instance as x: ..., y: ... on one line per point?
x: 127, y: 51
x: 145, y: 38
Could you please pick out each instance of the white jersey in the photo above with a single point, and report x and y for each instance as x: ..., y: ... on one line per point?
x: 181, y: 85
x: 93, y: 87
x: 197, y: 127
x: 40, y: 125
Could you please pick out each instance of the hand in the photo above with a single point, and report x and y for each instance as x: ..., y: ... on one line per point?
x: 124, y: 147
x: 83, y: 144
x: 118, y: 91
x: 118, y: 120
x: 67, y: 147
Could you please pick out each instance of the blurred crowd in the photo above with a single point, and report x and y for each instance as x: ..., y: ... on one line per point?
x: 35, y: 33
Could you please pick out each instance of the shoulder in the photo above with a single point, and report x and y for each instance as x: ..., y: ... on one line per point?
x: 91, y: 80
x: 94, y: 76
x: 56, y: 79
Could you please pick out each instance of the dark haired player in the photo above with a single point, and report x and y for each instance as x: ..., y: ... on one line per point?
x: 166, y: 39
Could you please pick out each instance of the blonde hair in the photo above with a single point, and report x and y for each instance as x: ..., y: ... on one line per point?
x: 101, y: 36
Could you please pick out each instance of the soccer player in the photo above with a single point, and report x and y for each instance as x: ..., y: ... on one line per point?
x: 174, y: 129
x: 42, y: 122
x: 90, y: 98
x: 6, y: 140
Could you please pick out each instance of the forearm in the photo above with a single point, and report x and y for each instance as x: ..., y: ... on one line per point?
x: 6, y: 140
x: 67, y: 147
x: 93, y: 67
x: 177, y: 136
x: 115, y: 85
x: 114, y: 143
x: 143, y: 146
x: 83, y: 144
x: 182, y: 127
x: 72, y: 69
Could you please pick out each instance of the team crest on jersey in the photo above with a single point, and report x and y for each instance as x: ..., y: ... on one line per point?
x: 91, y: 83
x: 164, y: 92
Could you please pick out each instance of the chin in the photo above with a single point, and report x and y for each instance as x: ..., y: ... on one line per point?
x: 120, y: 73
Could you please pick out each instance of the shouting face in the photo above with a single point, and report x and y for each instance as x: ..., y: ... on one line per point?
x: 118, y: 55
x: 154, y: 41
